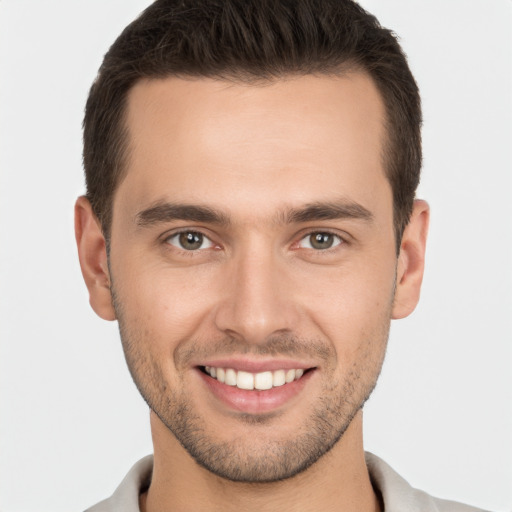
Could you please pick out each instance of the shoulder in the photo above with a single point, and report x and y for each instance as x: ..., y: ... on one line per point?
x: 126, y: 496
x: 399, y: 496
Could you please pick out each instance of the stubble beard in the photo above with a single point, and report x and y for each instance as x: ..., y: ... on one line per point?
x: 242, y: 459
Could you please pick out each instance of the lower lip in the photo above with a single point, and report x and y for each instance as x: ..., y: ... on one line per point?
x: 255, y: 401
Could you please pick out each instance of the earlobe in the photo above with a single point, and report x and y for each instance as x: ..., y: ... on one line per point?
x: 411, y: 261
x: 93, y: 259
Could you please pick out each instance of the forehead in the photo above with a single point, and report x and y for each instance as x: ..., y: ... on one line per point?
x: 207, y: 140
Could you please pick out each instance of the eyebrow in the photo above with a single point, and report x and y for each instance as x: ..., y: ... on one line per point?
x: 342, y: 209
x: 332, y: 210
x: 167, y: 212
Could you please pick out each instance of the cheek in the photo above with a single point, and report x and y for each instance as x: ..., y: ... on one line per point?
x: 346, y: 303
x: 173, y: 303
x: 351, y: 304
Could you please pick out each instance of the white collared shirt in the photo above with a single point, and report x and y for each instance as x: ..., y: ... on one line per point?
x: 397, y: 494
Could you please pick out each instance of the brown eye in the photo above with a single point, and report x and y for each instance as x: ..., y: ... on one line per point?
x: 320, y: 241
x: 190, y: 241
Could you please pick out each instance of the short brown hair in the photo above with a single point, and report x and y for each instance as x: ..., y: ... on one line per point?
x: 251, y: 41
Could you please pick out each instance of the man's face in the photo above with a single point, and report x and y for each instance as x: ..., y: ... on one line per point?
x: 253, y: 236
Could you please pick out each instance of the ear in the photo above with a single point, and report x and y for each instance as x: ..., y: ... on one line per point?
x: 92, y: 253
x: 411, y: 261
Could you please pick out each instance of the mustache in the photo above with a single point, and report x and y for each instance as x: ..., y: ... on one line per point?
x: 277, y: 345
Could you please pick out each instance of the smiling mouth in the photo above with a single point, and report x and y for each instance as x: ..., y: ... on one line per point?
x: 254, y: 381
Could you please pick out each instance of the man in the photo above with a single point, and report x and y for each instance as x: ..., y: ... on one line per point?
x: 251, y: 222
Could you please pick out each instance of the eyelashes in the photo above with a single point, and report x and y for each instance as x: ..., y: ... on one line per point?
x: 320, y: 241
x: 192, y: 241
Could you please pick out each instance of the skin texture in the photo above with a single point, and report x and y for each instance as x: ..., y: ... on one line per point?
x: 256, y: 289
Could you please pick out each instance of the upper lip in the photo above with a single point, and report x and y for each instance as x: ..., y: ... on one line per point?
x: 256, y: 366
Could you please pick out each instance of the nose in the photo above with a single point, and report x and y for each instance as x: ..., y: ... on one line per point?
x: 258, y: 298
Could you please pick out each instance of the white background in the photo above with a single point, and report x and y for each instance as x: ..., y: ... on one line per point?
x: 72, y: 423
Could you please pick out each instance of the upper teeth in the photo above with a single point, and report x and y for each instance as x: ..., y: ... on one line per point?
x: 247, y: 380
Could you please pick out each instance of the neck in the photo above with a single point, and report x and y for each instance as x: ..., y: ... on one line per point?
x: 337, y: 481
